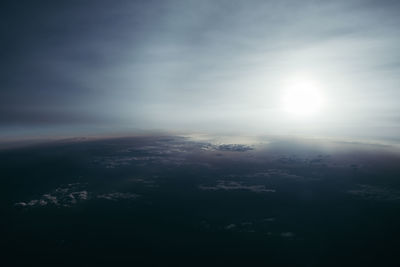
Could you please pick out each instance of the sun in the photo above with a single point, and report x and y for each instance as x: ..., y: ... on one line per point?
x: 302, y: 98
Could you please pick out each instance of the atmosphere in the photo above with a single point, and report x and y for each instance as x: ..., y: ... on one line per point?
x: 321, y: 68
x: 200, y: 133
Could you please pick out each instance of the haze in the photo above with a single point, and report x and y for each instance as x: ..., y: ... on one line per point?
x: 90, y: 67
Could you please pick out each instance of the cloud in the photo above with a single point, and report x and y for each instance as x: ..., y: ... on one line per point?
x: 276, y: 173
x: 167, y: 150
x: 144, y: 182
x: 270, y: 174
x: 64, y: 196
x: 232, y: 185
x: 115, y: 196
x: 287, y: 234
x: 121, y: 161
x: 375, y: 193
x: 244, y: 227
x: 71, y: 195
x: 225, y: 147
x: 230, y: 226
x: 234, y: 147
x: 259, y: 226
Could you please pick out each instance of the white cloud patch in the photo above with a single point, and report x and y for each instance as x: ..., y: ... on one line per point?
x: 70, y: 195
x: 64, y: 196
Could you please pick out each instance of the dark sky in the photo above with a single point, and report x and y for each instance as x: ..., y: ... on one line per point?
x: 78, y: 67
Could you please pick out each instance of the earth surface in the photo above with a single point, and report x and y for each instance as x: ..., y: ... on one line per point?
x: 184, y: 201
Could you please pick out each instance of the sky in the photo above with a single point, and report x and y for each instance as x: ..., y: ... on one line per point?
x: 218, y: 66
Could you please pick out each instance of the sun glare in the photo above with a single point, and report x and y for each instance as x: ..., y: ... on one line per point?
x: 302, y: 98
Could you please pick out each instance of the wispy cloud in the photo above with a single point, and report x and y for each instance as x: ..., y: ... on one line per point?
x: 233, y: 185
